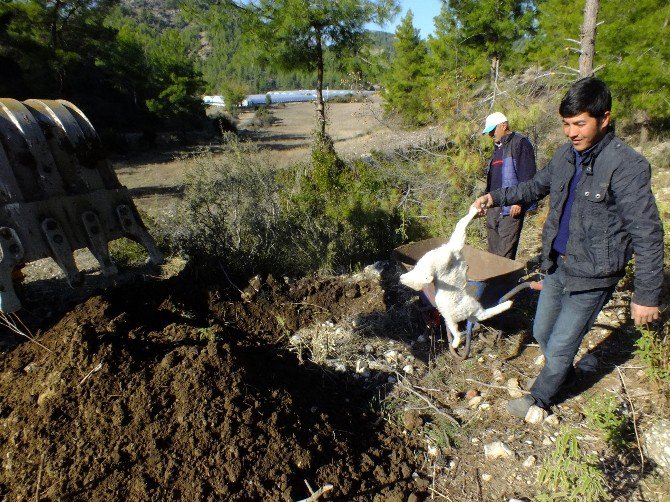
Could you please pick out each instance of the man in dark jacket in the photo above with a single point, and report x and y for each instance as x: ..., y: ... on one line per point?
x: 513, y: 161
x: 601, y: 211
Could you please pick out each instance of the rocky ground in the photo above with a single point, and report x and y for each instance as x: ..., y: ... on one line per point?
x: 162, y: 389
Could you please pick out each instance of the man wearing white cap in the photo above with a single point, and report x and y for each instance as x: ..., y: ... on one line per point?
x: 513, y: 161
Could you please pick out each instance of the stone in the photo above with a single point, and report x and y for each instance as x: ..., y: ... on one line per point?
x: 486, y: 477
x: 513, y: 388
x: 408, y: 368
x: 471, y: 393
x: 529, y: 462
x: 498, y: 375
x: 496, y: 450
x: 362, y: 366
x: 474, y: 402
x: 536, y: 415
x: 552, y: 421
x: 656, y: 444
x: 411, y: 420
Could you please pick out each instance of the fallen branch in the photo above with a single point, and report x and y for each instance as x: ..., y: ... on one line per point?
x: 404, y: 385
x: 96, y: 368
x: 11, y: 324
x: 502, y: 387
x: 632, y: 410
x: 315, y: 495
x: 39, y: 478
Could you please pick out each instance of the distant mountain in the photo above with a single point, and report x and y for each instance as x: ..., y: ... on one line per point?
x: 156, y: 13
x: 383, y: 39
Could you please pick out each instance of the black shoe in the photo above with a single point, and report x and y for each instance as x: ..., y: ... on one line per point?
x: 519, y: 407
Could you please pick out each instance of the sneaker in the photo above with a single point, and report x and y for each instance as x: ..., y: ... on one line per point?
x: 519, y: 407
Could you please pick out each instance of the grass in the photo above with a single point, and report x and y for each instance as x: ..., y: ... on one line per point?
x: 125, y: 252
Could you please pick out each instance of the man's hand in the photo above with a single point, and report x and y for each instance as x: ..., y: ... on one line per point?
x: 515, y: 210
x: 643, y: 315
x: 483, y: 203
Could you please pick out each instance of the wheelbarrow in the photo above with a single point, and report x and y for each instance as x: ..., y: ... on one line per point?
x: 492, y: 280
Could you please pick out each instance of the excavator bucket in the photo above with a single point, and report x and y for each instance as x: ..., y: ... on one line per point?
x: 58, y: 193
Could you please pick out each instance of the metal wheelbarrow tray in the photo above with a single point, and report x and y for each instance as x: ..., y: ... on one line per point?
x: 492, y: 279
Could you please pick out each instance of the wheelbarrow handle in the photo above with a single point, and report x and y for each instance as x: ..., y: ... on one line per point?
x: 535, y: 285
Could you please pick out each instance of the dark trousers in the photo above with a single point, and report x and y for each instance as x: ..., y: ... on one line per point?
x: 562, y: 319
x: 503, y: 232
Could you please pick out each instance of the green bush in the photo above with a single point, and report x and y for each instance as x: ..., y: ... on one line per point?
x: 244, y: 215
x: 350, y: 211
x: 263, y: 117
x: 607, y: 414
x: 653, y: 347
x: 230, y: 216
x: 570, y: 474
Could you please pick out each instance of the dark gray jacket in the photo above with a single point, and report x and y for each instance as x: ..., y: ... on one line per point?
x: 613, y: 215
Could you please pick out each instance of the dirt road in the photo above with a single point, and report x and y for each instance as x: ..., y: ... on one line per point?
x: 155, y: 177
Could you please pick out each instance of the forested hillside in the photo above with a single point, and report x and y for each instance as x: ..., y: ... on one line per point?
x: 144, y: 64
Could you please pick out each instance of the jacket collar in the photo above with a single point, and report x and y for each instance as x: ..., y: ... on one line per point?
x: 590, y: 156
x: 507, y: 138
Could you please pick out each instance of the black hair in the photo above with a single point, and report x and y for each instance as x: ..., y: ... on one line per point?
x: 589, y: 95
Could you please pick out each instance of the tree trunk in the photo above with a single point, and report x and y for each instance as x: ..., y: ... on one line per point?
x: 320, y: 108
x: 495, y: 68
x: 588, y: 39
x: 493, y: 71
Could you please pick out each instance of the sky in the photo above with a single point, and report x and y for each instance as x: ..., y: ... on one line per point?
x: 424, y: 11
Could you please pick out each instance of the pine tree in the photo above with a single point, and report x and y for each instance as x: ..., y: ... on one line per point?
x: 294, y: 34
x: 407, y: 83
x: 489, y: 29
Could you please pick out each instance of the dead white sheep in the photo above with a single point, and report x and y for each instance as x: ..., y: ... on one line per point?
x: 446, y: 270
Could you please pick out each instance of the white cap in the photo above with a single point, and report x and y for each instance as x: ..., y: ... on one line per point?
x: 492, y: 121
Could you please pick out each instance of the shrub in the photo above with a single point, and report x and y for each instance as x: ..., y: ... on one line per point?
x: 653, y: 347
x: 224, y: 120
x: 570, y: 474
x: 243, y: 214
x: 263, y: 117
x: 352, y: 210
x: 230, y: 214
x: 608, y: 415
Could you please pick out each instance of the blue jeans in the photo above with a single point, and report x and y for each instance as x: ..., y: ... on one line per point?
x: 562, y: 319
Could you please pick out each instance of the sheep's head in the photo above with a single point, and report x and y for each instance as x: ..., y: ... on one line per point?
x: 416, y: 279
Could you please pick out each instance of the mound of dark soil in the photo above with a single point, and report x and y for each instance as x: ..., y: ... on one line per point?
x: 163, y: 391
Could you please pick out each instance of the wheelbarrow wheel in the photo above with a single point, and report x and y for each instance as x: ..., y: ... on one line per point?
x: 462, y: 352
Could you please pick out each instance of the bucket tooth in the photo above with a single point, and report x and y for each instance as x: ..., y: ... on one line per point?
x: 12, y: 254
x: 138, y: 233
x: 98, y: 243
x: 61, y: 250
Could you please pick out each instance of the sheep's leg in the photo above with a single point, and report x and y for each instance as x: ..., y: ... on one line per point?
x: 452, y: 326
x: 457, y: 239
x: 484, y: 314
